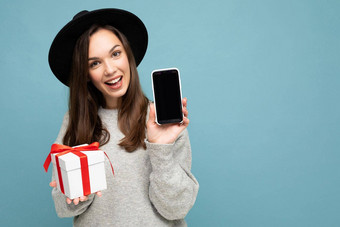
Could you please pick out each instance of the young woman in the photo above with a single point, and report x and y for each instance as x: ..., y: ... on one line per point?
x: 96, y: 55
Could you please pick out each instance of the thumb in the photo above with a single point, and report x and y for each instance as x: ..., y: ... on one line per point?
x: 53, y: 184
x: 152, y: 115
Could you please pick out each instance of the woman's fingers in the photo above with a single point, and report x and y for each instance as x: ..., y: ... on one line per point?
x: 185, y: 112
x: 185, y: 121
x: 81, y: 199
x: 184, y: 102
x: 185, y: 109
x: 68, y: 200
x: 76, y: 201
x: 53, y: 184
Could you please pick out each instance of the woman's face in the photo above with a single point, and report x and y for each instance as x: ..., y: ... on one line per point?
x: 109, y: 68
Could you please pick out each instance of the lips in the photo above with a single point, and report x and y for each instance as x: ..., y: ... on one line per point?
x: 115, y: 83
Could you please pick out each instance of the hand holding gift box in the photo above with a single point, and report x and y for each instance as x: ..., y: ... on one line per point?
x: 79, y: 170
x: 76, y: 201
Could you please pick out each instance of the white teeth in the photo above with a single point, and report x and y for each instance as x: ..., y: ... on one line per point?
x: 113, y: 81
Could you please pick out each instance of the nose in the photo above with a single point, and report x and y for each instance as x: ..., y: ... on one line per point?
x: 110, y: 68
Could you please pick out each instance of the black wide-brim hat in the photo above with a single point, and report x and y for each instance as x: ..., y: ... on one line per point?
x: 61, y: 51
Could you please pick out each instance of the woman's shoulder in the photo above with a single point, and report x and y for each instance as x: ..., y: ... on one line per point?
x: 63, y: 128
x: 66, y: 116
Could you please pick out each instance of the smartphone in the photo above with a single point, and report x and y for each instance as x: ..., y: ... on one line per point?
x: 167, y: 93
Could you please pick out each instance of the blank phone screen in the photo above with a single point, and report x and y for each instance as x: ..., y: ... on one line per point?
x: 167, y: 94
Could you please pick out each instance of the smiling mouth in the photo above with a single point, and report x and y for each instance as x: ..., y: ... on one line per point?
x: 114, y: 81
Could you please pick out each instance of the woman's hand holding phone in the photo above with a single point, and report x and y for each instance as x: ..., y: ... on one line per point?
x: 167, y: 133
x: 75, y: 201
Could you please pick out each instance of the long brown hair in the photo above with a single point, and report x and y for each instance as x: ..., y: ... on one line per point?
x: 85, y: 126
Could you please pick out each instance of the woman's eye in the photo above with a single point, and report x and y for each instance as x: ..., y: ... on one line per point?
x: 94, y: 64
x: 116, y: 53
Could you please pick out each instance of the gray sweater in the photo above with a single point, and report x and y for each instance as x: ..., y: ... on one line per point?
x: 152, y: 187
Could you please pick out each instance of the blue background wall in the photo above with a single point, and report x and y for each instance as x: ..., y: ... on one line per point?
x: 263, y: 83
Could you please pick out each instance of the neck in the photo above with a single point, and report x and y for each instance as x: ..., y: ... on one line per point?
x: 112, y: 103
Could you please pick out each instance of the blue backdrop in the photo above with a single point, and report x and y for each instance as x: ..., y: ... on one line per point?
x: 263, y: 85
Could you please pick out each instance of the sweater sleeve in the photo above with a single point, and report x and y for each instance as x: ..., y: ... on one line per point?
x: 173, y: 188
x: 62, y: 208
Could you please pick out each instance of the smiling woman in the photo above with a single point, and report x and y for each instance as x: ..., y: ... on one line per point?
x: 153, y: 184
x: 102, y: 54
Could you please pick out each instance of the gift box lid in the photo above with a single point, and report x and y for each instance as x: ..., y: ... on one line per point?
x: 71, y: 161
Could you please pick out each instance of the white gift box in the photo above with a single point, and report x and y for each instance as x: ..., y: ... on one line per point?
x: 71, y: 173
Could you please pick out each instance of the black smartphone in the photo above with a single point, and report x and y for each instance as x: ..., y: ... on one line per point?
x: 166, y: 86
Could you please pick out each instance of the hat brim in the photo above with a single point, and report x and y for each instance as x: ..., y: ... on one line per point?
x: 61, y: 51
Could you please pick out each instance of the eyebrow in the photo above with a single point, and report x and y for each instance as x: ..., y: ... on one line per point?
x: 111, y: 50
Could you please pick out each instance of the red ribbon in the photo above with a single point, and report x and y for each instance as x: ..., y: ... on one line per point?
x: 63, y: 149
